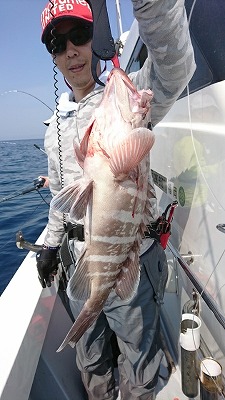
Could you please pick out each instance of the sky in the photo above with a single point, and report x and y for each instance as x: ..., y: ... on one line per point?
x: 26, y: 66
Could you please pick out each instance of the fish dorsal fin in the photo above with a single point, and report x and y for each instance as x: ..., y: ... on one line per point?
x: 130, y: 151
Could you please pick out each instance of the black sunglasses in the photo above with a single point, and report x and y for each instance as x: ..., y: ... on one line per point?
x: 80, y: 35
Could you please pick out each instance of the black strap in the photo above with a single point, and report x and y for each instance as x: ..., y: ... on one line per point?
x: 72, y: 232
x: 153, y: 231
x: 75, y: 231
x: 103, y: 47
x: 65, y: 255
x: 102, y: 42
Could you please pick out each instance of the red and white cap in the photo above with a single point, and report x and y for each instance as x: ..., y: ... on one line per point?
x: 58, y: 10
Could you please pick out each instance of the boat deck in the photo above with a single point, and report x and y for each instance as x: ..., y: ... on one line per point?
x: 171, y: 389
x: 30, y: 367
x: 58, y: 378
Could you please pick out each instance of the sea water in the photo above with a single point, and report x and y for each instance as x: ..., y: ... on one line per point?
x: 21, y: 163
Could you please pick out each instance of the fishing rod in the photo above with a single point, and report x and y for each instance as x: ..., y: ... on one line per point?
x: 37, y: 184
x: 39, y: 148
x: 29, y: 94
x: 34, y: 97
x: 119, y: 19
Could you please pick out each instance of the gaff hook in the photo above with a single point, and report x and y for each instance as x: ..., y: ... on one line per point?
x: 103, y: 47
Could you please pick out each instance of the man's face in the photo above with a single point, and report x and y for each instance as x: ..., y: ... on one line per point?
x: 75, y: 62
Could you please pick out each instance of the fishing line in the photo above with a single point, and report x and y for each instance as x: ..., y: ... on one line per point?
x: 220, y: 391
x: 26, y: 190
x: 26, y: 224
x: 20, y: 193
x: 197, y: 352
x: 191, y: 130
x: 201, y: 360
x: 213, y: 271
x: 29, y: 94
x: 43, y: 198
x: 37, y: 184
x: 196, y: 155
x: 217, y: 293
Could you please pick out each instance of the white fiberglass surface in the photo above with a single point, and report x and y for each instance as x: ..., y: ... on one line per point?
x: 25, y: 311
x: 189, y: 154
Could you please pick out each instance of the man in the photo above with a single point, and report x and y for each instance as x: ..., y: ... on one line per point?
x: 169, y: 67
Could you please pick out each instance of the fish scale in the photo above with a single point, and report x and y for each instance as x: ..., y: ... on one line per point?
x: 111, y: 197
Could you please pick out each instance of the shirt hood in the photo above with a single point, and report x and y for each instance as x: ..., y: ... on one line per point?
x: 67, y: 104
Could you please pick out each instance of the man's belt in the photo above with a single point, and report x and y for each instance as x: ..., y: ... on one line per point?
x: 76, y: 231
x: 159, y: 230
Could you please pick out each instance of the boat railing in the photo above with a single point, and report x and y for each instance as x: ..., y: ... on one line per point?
x: 205, y: 295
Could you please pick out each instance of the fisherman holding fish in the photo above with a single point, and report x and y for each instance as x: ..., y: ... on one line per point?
x: 98, y: 145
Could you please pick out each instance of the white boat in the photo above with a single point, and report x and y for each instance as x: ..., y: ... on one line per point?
x: 188, y: 165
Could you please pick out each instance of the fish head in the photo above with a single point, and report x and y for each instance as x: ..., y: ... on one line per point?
x: 133, y: 105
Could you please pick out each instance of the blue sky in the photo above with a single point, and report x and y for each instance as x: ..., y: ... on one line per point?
x: 27, y: 67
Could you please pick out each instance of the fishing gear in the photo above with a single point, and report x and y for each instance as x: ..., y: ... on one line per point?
x: 221, y: 227
x: 21, y: 243
x: 39, y: 148
x: 190, y: 343
x: 103, y: 47
x: 37, y: 184
x: 211, y: 379
x: 28, y: 94
x: 161, y: 228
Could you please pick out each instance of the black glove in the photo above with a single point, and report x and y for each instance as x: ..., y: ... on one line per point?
x: 47, y: 266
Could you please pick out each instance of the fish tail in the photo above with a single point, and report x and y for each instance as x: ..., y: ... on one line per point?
x: 84, y: 320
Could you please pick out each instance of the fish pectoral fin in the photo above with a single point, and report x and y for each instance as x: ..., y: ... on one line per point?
x: 79, y: 207
x: 130, y: 151
x: 64, y: 200
x: 73, y: 199
x: 128, y: 279
x: 79, y: 285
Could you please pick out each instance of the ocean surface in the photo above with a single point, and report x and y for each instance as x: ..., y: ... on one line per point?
x: 21, y: 163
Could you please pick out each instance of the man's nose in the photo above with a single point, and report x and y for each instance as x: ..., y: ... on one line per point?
x: 71, y: 49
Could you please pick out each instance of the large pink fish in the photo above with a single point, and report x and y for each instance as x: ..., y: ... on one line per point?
x: 111, y: 197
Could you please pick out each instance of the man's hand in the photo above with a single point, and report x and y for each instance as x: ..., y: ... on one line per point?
x: 47, y: 266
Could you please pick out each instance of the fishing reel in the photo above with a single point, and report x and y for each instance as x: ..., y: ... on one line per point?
x: 38, y: 182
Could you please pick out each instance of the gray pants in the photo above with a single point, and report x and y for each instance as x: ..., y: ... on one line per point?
x: 137, y: 327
